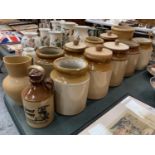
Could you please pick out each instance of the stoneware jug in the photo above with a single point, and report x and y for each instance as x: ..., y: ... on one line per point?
x: 17, y: 78
x: 38, y: 98
x: 71, y: 81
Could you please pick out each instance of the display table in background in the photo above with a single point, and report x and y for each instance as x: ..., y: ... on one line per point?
x: 137, y: 86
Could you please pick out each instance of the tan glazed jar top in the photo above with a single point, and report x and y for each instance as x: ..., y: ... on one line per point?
x: 98, y: 54
x: 142, y: 41
x: 130, y: 43
x: 71, y: 65
x: 94, y: 40
x: 49, y: 52
x: 116, y: 46
x: 75, y: 46
x: 108, y: 36
x: 123, y: 28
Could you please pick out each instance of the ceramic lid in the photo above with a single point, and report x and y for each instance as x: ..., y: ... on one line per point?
x: 116, y: 46
x: 142, y: 40
x: 130, y: 43
x: 98, y: 53
x: 75, y: 46
x: 94, y: 40
x: 108, y: 35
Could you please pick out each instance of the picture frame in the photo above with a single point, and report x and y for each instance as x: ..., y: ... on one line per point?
x: 128, y: 116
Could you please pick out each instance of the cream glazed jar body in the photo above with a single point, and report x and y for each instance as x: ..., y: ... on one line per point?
x: 71, y: 81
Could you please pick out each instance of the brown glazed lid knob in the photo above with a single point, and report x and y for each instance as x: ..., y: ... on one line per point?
x: 99, y: 48
x: 117, y: 42
x: 76, y: 41
x: 109, y: 33
x: 36, y: 73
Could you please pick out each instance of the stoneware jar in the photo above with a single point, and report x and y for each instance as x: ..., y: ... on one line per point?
x: 17, y: 78
x: 133, y: 56
x: 93, y: 41
x: 123, y: 32
x: 108, y: 36
x: 45, y: 57
x: 71, y: 81
x: 29, y: 51
x: 81, y: 31
x: 75, y: 48
x: 38, y: 98
x: 56, y: 38
x: 31, y: 39
x: 100, y: 69
x: 119, y: 61
x: 145, y: 50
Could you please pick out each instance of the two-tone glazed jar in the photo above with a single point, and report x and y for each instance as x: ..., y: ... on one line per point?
x: 133, y: 57
x: 108, y: 36
x: 45, y: 57
x: 93, y: 41
x: 100, y: 69
x: 71, y: 81
x: 75, y: 48
x: 123, y: 32
x: 145, y: 50
x: 38, y: 98
x: 119, y: 61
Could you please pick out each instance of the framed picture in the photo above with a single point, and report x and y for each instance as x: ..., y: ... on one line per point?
x: 129, y: 117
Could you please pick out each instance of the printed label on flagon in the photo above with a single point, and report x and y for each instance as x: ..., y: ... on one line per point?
x: 39, y: 113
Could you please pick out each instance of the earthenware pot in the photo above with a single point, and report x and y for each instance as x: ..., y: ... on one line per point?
x: 93, y: 41
x: 71, y: 81
x: 123, y: 32
x: 56, y: 38
x: 100, y: 69
x: 145, y: 50
x: 38, y: 98
x: 75, y: 48
x: 119, y: 61
x: 133, y: 56
x: 45, y: 57
x: 17, y: 78
x: 108, y: 36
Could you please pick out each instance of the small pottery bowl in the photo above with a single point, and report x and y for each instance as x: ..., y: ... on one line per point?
x: 152, y: 82
x: 151, y: 69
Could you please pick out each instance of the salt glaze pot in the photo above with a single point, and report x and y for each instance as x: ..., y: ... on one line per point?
x: 38, y: 98
x: 123, y: 32
x: 45, y: 57
x: 17, y: 78
x: 71, y: 81
x: 75, y: 48
x: 108, y: 36
x: 145, y: 50
x: 119, y: 61
x: 93, y: 41
x: 133, y: 56
x: 100, y: 69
